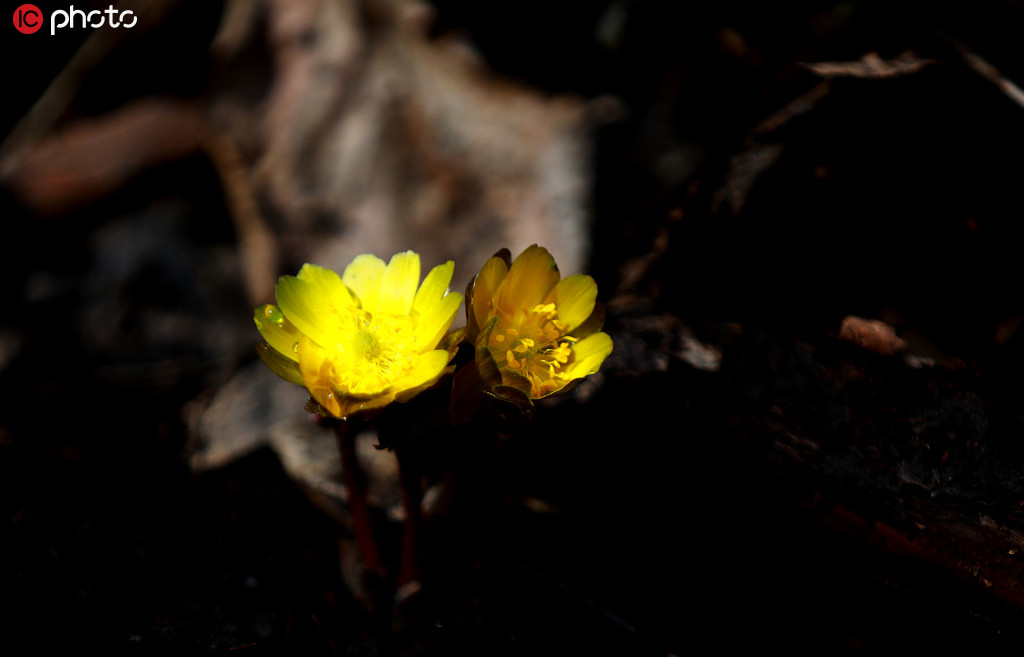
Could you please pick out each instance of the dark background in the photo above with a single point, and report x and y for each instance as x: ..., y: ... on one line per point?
x: 681, y: 522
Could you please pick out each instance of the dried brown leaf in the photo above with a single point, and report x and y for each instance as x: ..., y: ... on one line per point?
x: 871, y: 334
x: 93, y: 158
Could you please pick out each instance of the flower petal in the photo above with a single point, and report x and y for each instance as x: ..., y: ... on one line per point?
x: 276, y: 330
x: 349, y: 406
x: 574, y: 298
x: 487, y: 365
x: 306, y: 309
x: 434, y: 286
x: 363, y: 276
x: 428, y: 368
x: 433, y: 326
x: 588, y: 354
x: 315, y: 369
x: 451, y: 341
x: 591, y: 324
x: 328, y: 283
x: 285, y: 368
x: 486, y: 283
x: 532, y: 276
x: 398, y: 286
x: 435, y: 307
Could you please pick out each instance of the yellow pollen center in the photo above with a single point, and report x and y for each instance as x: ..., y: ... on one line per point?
x: 536, y: 347
x: 373, y: 351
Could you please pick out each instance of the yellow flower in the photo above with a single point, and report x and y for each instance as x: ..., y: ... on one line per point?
x: 538, y: 331
x: 366, y: 338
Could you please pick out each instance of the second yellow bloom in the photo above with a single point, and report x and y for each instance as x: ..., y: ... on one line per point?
x: 542, y: 331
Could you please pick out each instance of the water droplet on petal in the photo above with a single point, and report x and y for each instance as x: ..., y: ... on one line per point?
x: 295, y: 347
x: 274, y: 313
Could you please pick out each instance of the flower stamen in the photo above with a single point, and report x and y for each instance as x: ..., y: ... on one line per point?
x: 538, y: 350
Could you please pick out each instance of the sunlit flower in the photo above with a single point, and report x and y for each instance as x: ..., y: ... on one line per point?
x: 366, y: 338
x: 537, y: 331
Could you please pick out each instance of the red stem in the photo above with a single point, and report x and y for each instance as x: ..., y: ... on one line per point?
x: 359, y: 507
x: 412, y: 503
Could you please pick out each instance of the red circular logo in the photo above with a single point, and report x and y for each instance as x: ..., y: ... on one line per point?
x: 28, y: 19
